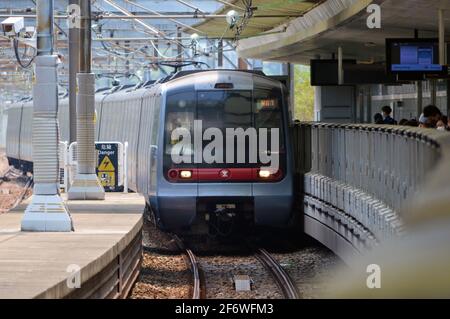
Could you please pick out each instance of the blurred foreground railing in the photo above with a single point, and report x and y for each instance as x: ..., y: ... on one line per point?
x: 356, y: 181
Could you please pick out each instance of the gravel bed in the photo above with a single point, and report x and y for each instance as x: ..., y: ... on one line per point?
x: 219, y: 272
x: 164, y: 272
x: 312, y: 268
x: 163, y: 275
x: 10, y: 190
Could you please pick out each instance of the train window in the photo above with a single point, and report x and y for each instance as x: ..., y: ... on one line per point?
x: 222, y: 110
x: 225, y: 109
x: 267, y: 108
x: 268, y: 114
x: 180, y: 114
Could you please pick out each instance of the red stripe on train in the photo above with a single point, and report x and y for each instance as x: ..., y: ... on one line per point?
x: 220, y: 174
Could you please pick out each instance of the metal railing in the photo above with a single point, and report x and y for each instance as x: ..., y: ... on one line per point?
x: 359, y: 179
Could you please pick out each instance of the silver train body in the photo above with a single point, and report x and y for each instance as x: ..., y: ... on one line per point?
x: 140, y: 116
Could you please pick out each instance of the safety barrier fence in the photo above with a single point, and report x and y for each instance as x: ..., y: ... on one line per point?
x: 357, y: 180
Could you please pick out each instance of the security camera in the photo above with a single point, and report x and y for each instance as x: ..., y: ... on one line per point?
x: 12, y: 26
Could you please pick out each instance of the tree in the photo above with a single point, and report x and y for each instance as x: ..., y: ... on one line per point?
x: 303, y: 94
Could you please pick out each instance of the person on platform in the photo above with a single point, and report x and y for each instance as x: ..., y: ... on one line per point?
x: 430, y: 116
x: 378, y: 118
x: 387, y: 119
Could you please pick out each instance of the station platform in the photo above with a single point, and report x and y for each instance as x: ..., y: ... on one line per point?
x: 104, y: 249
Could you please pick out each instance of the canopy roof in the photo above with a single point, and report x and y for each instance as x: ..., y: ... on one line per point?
x: 268, y: 15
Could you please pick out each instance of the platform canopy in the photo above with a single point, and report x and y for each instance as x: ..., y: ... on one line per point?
x: 268, y: 15
x: 334, y: 23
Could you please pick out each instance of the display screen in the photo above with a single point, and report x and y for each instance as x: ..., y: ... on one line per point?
x: 413, y: 55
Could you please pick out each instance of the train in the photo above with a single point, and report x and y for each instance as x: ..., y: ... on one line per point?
x: 200, y: 197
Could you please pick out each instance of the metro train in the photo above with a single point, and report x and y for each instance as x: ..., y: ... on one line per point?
x: 204, y: 198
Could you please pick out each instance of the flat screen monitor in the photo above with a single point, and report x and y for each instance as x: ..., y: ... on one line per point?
x: 325, y: 72
x: 413, y: 56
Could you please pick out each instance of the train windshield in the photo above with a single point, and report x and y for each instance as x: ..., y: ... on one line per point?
x: 208, y: 120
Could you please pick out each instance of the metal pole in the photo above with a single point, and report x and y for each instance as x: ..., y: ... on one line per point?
x: 85, y: 184
x: 448, y: 98
x: 85, y: 37
x: 419, y: 98
x: 340, y: 67
x: 46, y: 212
x: 442, y: 53
x: 220, y: 54
x: 179, y: 46
x: 74, y: 68
x: 433, y: 84
x: 441, y: 37
x: 369, y: 105
x: 44, y: 27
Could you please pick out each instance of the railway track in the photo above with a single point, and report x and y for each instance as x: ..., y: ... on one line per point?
x: 9, y: 176
x: 27, y: 186
x: 281, y: 277
x: 5, y: 177
x: 198, y: 285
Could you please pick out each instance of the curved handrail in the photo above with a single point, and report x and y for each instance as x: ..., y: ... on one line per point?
x: 365, y: 176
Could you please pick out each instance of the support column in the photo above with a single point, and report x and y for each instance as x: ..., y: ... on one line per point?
x: 86, y: 184
x: 340, y: 66
x: 448, y: 97
x: 433, y: 91
x: 220, y: 54
x: 369, y: 105
x: 47, y: 211
x: 419, y: 99
x: 74, y: 68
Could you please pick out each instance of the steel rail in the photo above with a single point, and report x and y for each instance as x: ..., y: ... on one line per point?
x: 197, y: 285
x: 27, y: 186
x: 281, y: 277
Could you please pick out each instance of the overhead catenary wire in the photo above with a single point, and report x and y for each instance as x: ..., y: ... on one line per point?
x: 163, y: 16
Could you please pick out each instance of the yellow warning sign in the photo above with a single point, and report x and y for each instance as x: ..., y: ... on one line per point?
x: 106, y: 165
x: 107, y: 179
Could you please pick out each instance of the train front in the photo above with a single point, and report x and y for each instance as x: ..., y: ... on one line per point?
x: 226, y: 162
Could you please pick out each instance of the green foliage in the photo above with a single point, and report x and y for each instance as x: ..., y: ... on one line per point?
x: 303, y: 94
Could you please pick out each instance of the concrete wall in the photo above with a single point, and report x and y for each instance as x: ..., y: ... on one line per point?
x: 335, y: 104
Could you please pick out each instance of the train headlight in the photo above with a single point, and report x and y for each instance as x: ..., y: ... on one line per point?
x: 185, y: 174
x: 264, y: 173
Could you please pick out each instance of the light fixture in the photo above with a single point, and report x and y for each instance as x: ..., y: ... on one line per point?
x: 232, y: 17
x: 264, y: 173
x: 185, y: 174
x: 194, y: 37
